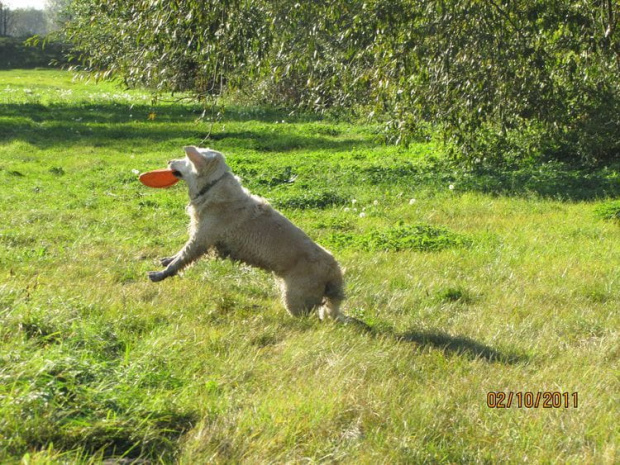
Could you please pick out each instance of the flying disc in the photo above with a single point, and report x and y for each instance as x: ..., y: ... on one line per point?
x: 159, y: 178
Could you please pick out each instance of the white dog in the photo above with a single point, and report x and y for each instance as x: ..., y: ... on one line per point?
x: 228, y: 220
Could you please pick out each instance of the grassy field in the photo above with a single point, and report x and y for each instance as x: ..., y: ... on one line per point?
x: 469, y: 283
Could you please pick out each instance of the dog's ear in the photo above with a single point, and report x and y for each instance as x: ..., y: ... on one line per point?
x: 194, y: 155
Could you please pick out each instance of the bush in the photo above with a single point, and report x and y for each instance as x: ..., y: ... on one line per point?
x: 609, y: 211
x: 16, y: 54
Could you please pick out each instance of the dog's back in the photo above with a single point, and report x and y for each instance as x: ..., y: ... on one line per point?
x: 260, y: 236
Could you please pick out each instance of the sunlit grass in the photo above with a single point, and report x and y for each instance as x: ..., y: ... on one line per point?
x: 97, y: 362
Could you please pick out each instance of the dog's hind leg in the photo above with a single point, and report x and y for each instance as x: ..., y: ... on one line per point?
x: 331, y: 309
x: 333, y: 296
x: 300, y: 298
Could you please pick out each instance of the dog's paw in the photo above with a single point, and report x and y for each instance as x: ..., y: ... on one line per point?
x: 157, y: 276
x: 166, y: 261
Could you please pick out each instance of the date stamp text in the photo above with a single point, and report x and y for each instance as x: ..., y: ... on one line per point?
x: 529, y: 399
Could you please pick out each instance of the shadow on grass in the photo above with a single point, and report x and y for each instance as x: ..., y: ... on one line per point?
x: 119, y: 112
x: 284, y: 140
x: 457, y: 345
x: 559, y: 181
x: 114, y: 123
x: 116, y: 439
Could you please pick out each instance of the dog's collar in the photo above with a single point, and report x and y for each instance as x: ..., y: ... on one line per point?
x: 208, y: 187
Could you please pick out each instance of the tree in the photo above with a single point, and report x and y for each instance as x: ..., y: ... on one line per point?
x: 5, y: 20
x: 191, y: 45
x: 26, y: 22
x: 58, y: 13
x: 502, y: 81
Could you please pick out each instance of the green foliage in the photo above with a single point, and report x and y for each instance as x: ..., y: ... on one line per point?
x: 502, y: 82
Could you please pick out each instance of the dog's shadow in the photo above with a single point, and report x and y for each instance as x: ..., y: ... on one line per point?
x: 449, y: 344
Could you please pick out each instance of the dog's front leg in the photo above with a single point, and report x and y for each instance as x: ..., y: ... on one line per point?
x: 192, y: 251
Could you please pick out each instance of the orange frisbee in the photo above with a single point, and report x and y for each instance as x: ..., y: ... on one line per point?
x: 159, y: 178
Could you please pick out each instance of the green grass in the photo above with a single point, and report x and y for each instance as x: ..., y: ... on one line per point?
x: 509, y: 281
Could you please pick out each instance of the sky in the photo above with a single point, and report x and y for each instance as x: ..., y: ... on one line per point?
x: 14, y: 4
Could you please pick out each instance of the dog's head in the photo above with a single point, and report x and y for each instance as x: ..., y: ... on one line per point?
x: 199, y: 167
